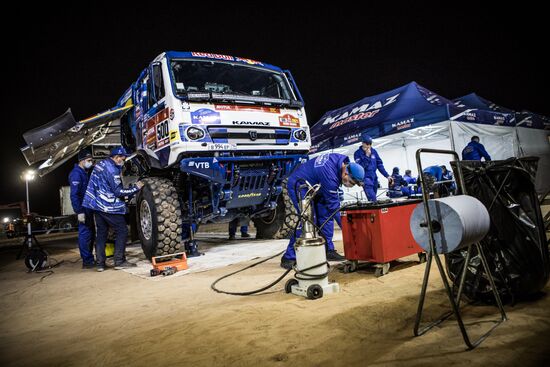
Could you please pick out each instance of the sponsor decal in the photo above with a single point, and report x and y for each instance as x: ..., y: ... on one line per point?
x: 172, y: 114
x: 362, y: 112
x: 213, y: 56
x: 321, y: 160
x: 248, y: 61
x: 174, y: 135
x: 225, y: 107
x: 225, y: 57
x: 199, y: 165
x: 403, y: 124
x: 250, y: 195
x: 151, y: 133
x: 470, y: 116
x: 205, y: 116
x: 352, y: 138
x: 289, y: 120
x: 256, y: 123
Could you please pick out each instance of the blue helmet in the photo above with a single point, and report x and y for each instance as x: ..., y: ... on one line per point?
x: 356, y: 172
x: 366, y: 138
x: 119, y: 151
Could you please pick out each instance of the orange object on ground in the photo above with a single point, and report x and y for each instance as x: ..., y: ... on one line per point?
x: 379, y: 233
x: 177, y: 261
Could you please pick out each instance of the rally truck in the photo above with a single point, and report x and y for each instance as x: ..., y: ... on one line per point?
x: 212, y: 136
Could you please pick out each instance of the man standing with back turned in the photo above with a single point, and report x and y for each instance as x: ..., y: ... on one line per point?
x: 475, y: 150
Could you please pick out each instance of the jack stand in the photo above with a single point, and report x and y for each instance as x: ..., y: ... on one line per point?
x: 191, y: 246
x: 311, y: 278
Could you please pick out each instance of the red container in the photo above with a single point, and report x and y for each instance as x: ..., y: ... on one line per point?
x: 379, y: 233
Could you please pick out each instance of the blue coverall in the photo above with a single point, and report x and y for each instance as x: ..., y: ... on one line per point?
x: 326, y: 170
x: 446, y: 177
x: 474, y: 151
x: 78, y: 181
x: 104, y: 196
x: 370, y: 165
x: 409, y: 189
x: 396, y: 188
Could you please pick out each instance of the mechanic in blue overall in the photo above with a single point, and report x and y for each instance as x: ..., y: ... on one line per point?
x: 395, y: 189
x: 474, y: 151
x: 409, y: 189
x: 78, y: 181
x: 104, y: 196
x: 330, y: 171
x: 447, y: 175
x: 432, y: 175
x: 233, y: 229
x: 368, y: 158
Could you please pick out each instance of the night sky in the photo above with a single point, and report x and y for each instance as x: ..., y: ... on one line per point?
x: 84, y: 58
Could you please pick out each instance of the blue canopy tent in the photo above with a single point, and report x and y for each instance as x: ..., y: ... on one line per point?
x: 410, y: 117
x: 400, y: 109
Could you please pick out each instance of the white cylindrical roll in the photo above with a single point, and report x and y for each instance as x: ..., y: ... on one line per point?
x: 457, y: 221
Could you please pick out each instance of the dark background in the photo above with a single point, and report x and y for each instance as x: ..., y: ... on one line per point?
x: 85, y: 57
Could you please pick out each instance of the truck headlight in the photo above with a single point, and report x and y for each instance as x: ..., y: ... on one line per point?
x: 194, y: 133
x: 300, y: 134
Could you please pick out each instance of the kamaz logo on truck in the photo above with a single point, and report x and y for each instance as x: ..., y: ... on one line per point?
x: 199, y: 165
x: 256, y: 123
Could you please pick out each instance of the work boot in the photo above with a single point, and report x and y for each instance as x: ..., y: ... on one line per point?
x: 332, y: 255
x: 88, y: 266
x: 124, y: 265
x: 231, y: 237
x: 245, y: 235
x: 287, y: 263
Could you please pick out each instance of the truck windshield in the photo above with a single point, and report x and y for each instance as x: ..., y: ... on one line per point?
x: 225, y: 81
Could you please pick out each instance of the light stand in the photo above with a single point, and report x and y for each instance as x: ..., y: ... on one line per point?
x: 35, y: 258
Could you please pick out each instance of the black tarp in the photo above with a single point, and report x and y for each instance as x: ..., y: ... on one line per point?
x: 515, y: 247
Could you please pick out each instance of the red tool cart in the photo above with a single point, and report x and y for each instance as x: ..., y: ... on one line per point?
x: 378, y: 233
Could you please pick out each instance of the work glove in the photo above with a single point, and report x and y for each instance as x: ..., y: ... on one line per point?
x: 81, y: 217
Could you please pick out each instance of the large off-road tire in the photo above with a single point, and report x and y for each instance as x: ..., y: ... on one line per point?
x: 281, y: 222
x: 158, y: 217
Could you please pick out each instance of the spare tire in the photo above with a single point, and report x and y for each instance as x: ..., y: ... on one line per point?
x: 158, y: 218
x: 282, y: 220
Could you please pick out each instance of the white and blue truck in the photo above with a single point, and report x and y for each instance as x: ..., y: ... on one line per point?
x: 212, y: 136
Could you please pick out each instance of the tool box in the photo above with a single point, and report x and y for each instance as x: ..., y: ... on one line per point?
x: 168, y: 264
x: 378, y: 233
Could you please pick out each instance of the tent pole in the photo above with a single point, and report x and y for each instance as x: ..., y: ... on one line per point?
x: 451, y: 135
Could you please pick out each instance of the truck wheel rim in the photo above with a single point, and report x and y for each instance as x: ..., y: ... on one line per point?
x: 146, y: 220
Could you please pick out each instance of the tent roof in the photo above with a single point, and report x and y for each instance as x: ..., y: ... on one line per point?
x: 472, y: 100
x: 402, y: 108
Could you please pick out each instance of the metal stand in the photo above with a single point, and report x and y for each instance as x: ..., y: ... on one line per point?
x: 27, y: 244
x: 455, y: 303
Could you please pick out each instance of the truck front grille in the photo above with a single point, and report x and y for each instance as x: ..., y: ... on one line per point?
x: 249, y: 136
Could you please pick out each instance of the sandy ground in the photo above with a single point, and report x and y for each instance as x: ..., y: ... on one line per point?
x: 76, y: 317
